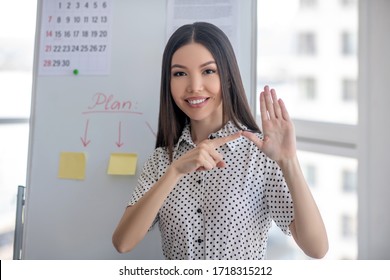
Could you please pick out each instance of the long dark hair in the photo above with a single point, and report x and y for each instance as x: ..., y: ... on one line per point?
x: 235, y: 105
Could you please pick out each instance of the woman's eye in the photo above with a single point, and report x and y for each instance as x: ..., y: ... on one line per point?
x: 179, y: 74
x: 209, y: 71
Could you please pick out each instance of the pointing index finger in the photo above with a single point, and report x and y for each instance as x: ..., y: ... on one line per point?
x: 218, y: 142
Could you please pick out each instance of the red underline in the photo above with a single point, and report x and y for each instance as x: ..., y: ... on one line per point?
x: 111, y: 112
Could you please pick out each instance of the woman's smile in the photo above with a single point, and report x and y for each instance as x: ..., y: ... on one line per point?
x: 197, y: 102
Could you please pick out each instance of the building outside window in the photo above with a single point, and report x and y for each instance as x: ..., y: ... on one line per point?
x: 298, y: 54
x: 16, y: 60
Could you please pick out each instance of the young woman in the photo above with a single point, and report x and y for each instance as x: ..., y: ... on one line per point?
x: 215, y: 182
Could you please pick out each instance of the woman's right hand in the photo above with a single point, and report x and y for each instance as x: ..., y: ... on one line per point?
x: 204, y: 157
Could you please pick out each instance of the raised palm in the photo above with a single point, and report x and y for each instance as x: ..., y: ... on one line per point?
x: 279, y: 141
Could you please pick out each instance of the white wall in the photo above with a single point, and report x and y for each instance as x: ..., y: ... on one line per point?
x: 374, y: 130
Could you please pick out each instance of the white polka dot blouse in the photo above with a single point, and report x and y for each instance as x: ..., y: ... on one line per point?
x: 224, y: 213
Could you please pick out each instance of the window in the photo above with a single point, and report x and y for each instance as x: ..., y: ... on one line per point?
x: 349, y: 180
x: 308, y: 3
x: 306, y: 43
x: 349, y: 90
x: 348, y: 43
x: 310, y: 171
x: 307, y: 88
x: 348, y: 3
x: 347, y: 226
x: 313, y: 68
x: 16, y: 59
x: 306, y: 65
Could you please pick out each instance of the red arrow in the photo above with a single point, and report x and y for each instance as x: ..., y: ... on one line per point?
x: 119, y: 143
x: 151, y: 129
x: 84, y: 139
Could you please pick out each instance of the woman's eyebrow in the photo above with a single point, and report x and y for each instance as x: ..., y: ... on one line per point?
x: 207, y: 63
x: 200, y: 66
x: 177, y: 66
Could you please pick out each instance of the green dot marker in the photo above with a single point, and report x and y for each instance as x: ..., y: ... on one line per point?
x: 75, y: 72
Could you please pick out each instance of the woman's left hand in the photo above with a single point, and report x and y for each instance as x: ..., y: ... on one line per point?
x: 279, y: 141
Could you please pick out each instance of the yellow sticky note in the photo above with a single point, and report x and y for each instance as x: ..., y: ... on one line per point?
x: 122, y: 164
x: 72, y: 166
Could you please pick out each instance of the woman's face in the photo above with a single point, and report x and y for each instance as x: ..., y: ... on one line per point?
x: 195, y: 83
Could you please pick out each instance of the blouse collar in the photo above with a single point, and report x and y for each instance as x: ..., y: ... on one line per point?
x: 228, y: 129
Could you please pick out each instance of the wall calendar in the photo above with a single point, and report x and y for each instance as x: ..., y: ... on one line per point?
x: 75, y: 37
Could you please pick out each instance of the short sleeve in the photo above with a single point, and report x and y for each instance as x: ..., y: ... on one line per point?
x: 152, y: 170
x: 278, y: 197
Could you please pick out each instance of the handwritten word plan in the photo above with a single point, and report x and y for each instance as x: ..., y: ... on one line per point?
x: 75, y: 37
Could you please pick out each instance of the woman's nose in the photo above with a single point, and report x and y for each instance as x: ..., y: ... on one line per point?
x: 195, y: 84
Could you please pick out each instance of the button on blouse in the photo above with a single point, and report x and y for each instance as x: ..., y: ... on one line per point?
x: 224, y: 213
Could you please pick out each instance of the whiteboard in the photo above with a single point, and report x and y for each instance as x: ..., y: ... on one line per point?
x: 75, y: 219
